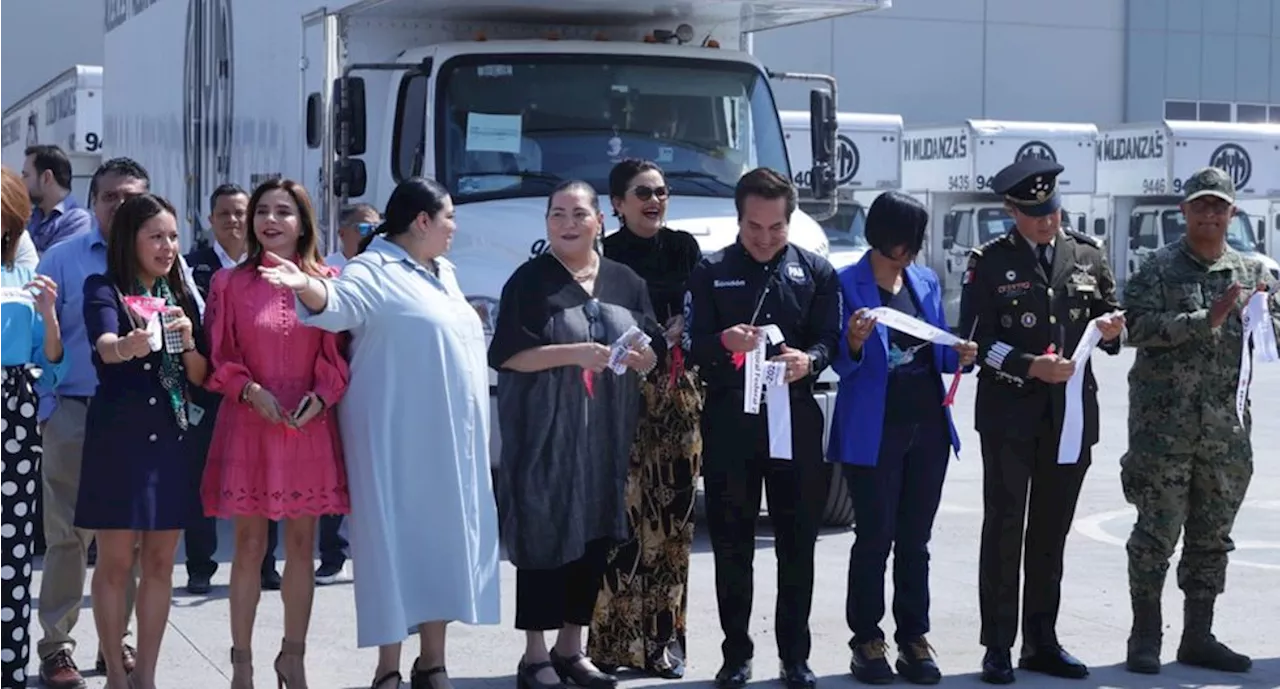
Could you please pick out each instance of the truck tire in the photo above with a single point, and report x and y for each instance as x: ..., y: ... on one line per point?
x: 839, y: 508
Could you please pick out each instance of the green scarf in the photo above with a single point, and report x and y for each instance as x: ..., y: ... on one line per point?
x: 172, y: 373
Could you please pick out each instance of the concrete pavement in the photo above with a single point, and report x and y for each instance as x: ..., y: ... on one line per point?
x: 1093, y: 625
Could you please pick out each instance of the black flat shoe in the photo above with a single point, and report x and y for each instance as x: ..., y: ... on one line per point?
x: 997, y: 666
x: 797, y: 675
x: 1053, y: 661
x: 527, y: 676
x: 734, y: 675
x: 394, y: 674
x: 570, y: 670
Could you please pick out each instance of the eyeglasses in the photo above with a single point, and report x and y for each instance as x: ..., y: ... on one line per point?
x: 595, y: 324
x: 366, y: 228
x: 644, y: 192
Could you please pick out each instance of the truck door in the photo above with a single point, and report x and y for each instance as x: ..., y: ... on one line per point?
x: 1144, y: 238
x: 958, y: 242
x: 319, y: 69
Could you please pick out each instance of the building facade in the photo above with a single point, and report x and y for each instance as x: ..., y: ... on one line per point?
x: 1100, y: 61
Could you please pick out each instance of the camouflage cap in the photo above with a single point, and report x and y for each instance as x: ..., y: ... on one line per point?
x: 1210, y: 181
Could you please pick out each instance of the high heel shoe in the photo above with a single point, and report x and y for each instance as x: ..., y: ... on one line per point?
x: 241, y: 669
x: 393, y: 675
x: 290, y: 674
x: 421, y: 679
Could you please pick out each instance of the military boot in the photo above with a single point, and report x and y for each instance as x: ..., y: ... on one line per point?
x: 1145, y: 637
x: 1199, y: 647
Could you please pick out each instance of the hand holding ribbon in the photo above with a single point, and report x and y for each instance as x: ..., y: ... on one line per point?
x: 769, y: 378
x: 1072, y: 438
x: 1258, y: 340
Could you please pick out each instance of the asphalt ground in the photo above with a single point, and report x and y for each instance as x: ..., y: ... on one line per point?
x: 1093, y: 624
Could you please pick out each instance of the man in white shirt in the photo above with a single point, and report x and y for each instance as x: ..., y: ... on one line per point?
x: 354, y: 224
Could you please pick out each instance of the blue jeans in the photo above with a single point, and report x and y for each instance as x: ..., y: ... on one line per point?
x: 894, y: 506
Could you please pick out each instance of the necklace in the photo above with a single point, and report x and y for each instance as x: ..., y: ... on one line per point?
x: 580, y: 275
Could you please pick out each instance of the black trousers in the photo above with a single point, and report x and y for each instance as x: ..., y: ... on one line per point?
x: 548, y: 599
x: 200, y: 539
x: 895, y: 503
x: 1009, y: 466
x: 736, y: 463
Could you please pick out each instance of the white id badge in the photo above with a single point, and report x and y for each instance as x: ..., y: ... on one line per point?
x: 194, y: 413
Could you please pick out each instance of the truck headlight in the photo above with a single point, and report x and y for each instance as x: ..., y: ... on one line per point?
x: 487, y: 309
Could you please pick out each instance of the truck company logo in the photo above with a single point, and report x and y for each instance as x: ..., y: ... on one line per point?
x: 60, y: 105
x: 1235, y: 161
x: 1119, y: 148
x: 936, y: 148
x: 207, y: 104
x: 847, y: 160
x: 1035, y: 150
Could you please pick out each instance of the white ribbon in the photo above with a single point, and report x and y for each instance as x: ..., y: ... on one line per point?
x: 914, y: 327
x: 634, y: 338
x: 770, y: 379
x: 1072, y: 437
x: 16, y: 295
x: 1256, y: 319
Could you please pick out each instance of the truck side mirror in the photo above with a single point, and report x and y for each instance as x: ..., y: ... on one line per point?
x: 1262, y: 236
x: 314, y: 122
x: 353, y: 116
x: 351, y: 175
x: 822, y: 134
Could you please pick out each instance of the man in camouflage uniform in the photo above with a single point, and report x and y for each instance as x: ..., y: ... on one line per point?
x: 1189, y: 461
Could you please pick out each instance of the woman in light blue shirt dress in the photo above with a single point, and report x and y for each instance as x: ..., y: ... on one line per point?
x: 29, y: 333
x: 415, y: 432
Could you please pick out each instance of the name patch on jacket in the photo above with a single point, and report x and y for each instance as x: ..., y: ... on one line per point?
x: 795, y: 273
x: 729, y: 283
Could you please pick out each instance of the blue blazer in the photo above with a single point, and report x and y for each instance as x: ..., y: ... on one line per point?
x: 859, y: 418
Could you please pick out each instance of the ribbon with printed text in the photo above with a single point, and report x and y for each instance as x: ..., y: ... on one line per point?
x: 768, y: 379
x: 1258, y: 332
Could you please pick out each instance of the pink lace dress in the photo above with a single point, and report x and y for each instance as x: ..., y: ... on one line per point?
x: 256, y: 467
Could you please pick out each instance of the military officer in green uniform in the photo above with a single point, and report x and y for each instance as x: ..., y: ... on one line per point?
x: 1189, y: 460
x: 1031, y: 293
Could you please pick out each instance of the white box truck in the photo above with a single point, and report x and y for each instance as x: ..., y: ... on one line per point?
x: 868, y: 161
x: 950, y: 168
x: 1142, y: 167
x: 499, y: 101
x: 67, y: 112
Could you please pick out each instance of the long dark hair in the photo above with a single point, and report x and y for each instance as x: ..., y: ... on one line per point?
x: 410, y: 197
x: 620, y: 179
x: 122, y: 250
x: 308, y: 258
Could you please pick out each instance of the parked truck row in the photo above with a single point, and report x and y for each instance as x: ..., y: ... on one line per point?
x: 1121, y: 184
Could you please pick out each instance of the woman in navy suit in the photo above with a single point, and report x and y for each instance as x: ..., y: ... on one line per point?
x: 895, y: 436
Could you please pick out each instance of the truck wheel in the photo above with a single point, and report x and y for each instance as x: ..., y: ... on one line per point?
x: 839, y: 508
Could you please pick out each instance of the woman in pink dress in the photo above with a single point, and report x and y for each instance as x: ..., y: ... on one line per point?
x: 275, y: 454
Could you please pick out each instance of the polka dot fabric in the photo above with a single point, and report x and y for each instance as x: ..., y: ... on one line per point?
x: 21, y: 457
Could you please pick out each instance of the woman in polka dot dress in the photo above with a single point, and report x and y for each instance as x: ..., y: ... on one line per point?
x: 29, y: 333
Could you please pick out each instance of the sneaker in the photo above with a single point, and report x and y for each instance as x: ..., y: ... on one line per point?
x: 199, y: 584
x: 916, y: 663
x: 328, y: 573
x: 869, y: 664
x: 59, y: 671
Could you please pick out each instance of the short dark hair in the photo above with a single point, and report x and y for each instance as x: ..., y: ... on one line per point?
x: 766, y: 184
x: 47, y: 157
x: 228, y: 189
x: 124, y: 167
x: 349, y: 212
x: 894, y: 220
x: 575, y: 185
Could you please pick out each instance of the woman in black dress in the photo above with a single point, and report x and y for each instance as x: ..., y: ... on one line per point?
x: 567, y: 422
x: 640, y: 615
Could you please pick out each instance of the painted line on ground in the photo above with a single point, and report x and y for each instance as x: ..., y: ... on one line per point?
x: 1091, y: 527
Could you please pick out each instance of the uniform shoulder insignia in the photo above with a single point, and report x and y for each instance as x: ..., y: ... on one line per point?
x: 1084, y: 239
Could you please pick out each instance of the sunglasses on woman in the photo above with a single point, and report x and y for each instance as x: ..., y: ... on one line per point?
x: 644, y: 193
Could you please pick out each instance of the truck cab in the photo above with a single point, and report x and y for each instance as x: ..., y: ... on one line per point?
x: 1153, y: 226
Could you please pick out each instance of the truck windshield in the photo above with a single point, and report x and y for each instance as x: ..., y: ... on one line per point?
x: 847, y: 228
x: 1239, y: 231
x: 516, y: 125
x: 992, y: 223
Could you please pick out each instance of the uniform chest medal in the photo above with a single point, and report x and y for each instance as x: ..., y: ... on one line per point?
x: 1028, y: 320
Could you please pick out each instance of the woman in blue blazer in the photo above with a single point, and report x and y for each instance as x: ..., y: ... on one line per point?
x: 895, y: 436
